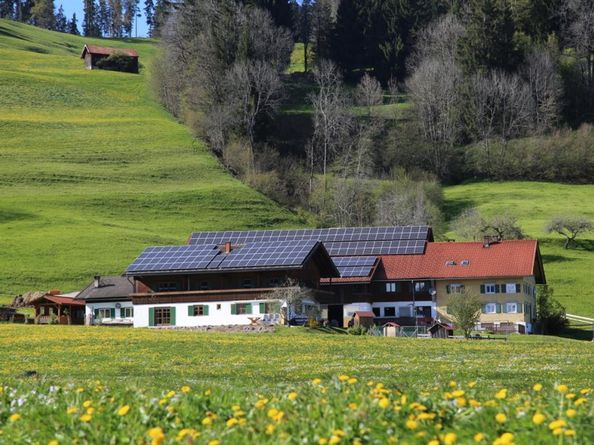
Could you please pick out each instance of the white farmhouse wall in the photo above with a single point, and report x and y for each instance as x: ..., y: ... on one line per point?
x: 90, y: 310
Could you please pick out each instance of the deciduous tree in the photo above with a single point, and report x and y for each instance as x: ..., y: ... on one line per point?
x: 465, y: 310
x: 570, y: 227
x: 42, y: 14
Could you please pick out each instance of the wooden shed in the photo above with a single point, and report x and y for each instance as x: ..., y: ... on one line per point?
x: 61, y: 308
x: 364, y: 318
x: 391, y: 329
x: 93, y: 55
x: 441, y: 330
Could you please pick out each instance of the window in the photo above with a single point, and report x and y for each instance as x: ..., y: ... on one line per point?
x: 489, y: 288
x: 421, y: 286
x: 465, y: 263
x: 162, y: 316
x: 267, y: 308
x: 247, y: 283
x: 127, y: 312
x: 241, y: 308
x: 204, y: 285
x: 455, y: 288
x: 104, y: 313
x: 274, y: 282
x: 218, y: 307
x: 404, y: 311
x: 450, y: 263
x: 511, y: 308
x: 490, y: 308
x: 391, y: 287
x: 166, y: 286
x: 390, y: 311
x: 197, y: 310
x: 512, y: 288
x: 376, y: 311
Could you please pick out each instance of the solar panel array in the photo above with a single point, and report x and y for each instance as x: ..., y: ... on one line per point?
x: 209, y: 257
x: 325, y: 235
x: 354, y: 261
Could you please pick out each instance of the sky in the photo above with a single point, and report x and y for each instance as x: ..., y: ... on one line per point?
x: 76, y: 6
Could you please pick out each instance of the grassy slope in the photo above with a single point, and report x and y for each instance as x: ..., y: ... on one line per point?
x: 568, y: 271
x: 92, y: 169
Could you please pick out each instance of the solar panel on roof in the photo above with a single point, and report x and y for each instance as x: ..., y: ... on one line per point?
x: 174, y: 258
x: 353, y: 261
x: 270, y: 255
x: 360, y: 248
x: 357, y: 271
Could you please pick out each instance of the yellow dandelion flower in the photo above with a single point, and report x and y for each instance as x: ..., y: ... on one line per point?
x: 14, y: 417
x: 86, y: 418
x: 452, y: 384
x: 433, y: 442
x: 580, y: 401
x: 501, y: 418
x: 560, y: 423
x: 450, y: 438
x: 170, y: 394
x: 352, y: 406
x: 333, y: 440
x: 207, y: 392
x: 316, y: 382
x: 557, y: 431
x: 383, y: 403
x: 504, y: 439
x: 338, y: 432
x: 87, y: 403
x: 207, y: 421
x: 214, y: 442
x: 232, y: 422
x: 461, y: 401
x: 90, y: 411
x: 571, y: 412
x: 185, y: 389
x: 501, y: 394
x: 585, y: 391
x: 352, y: 381
x: 472, y: 384
x: 123, y: 410
x: 261, y: 403
x: 411, y: 424
x: 458, y: 393
x: 343, y: 377
x: 79, y: 390
x: 236, y: 407
x: 538, y: 418
x: 162, y: 402
x: 358, y: 442
x: 562, y: 388
x: 239, y: 413
x: 270, y: 429
x: 323, y: 441
x: 474, y: 403
x: 537, y: 387
x: 292, y: 395
x: 569, y: 433
x: 72, y: 410
x: 53, y: 442
x: 479, y: 437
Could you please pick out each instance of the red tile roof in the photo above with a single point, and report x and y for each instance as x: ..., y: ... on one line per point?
x: 93, y: 49
x: 518, y: 258
x: 365, y: 314
x: 58, y: 299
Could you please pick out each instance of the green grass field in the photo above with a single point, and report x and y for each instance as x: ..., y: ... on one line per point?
x: 371, y: 390
x: 92, y: 169
x: 569, y: 271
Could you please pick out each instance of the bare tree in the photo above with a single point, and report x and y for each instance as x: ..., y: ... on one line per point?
x: 369, y: 93
x: 471, y: 224
x: 540, y: 71
x: 578, y: 31
x: 292, y: 296
x: 331, y: 117
x: 570, y: 227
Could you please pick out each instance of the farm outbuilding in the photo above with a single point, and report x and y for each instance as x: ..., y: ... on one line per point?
x: 60, y: 309
x: 364, y: 318
x: 97, y: 57
x: 441, y: 330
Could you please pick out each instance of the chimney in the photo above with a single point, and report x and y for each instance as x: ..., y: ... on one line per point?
x: 228, y: 247
x: 488, y: 240
x: 97, y: 281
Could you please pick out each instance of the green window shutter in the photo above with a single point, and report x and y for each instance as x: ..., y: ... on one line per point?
x: 504, y: 308
x: 206, y: 309
x: 190, y: 310
x: 151, y: 316
x: 112, y: 312
x: 482, y: 289
x: 520, y: 308
x: 248, y: 308
x: 498, y: 307
x: 518, y: 288
x: 498, y: 289
x: 96, y: 313
x: 233, y: 309
x: 172, y: 316
x: 484, y: 309
x: 448, y: 289
x: 262, y: 308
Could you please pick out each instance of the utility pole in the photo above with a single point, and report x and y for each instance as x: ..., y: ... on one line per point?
x: 414, y: 307
x: 137, y: 18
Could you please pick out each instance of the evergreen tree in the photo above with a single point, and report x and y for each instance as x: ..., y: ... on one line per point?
x: 130, y: 8
x: 489, y: 40
x: 23, y: 10
x: 7, y: 9
x: 304, y: 29
x: 162, y: 8
x: 149, y: 13
x: 115, y: 16
x: 103, y: 17
x: 280, y: 10
x: 61, y: 20
x: 90, y: 26
x: 42, y: 14
x: 72, y: 26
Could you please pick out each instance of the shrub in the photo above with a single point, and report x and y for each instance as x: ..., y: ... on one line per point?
x: 118, y: 62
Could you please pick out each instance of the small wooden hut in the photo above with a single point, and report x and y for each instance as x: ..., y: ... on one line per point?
x: 441, y: 330
x: 94, y: 56
x: 61, y: 309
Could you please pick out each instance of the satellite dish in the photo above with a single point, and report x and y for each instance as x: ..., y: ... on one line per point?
x: 118, y: 305
x: 433, y: 292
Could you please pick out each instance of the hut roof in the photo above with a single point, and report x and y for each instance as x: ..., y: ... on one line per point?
x: 105, y: 51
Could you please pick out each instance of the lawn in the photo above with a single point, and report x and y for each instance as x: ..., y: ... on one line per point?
x: 568, y: 271
x: 93, y: 170
x: 139, y: 367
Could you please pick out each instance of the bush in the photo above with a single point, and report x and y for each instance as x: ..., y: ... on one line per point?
x: 357, y: 330
x: 118, y: 62
x: 550, y: 314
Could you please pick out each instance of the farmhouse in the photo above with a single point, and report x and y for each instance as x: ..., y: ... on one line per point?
x: 107, y: 301
x: 229, y: 283
x: 97, y: 57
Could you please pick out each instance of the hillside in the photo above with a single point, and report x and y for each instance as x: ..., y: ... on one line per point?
x: 92, y: 169
x: 569, y: 271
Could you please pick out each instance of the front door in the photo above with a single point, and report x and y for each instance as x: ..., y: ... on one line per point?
x: 335, y: 315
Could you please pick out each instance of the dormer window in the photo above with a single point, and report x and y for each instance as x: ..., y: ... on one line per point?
x: 450, y: 263
x: 465, y: 263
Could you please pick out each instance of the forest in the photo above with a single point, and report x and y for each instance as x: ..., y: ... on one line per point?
x: 388, y: 100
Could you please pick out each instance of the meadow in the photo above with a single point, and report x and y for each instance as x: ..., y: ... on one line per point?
x: 291, y: 386
x: 93, y: 170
